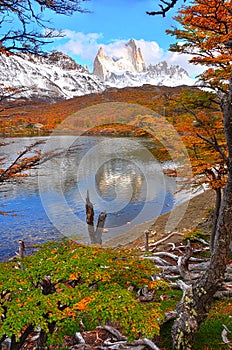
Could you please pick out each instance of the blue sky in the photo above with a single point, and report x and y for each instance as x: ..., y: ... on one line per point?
x: 113, y: 23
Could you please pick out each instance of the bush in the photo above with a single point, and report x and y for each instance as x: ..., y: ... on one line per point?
x: 65, y: 283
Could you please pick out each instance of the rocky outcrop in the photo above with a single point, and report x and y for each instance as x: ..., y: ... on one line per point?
x: 136, y: 56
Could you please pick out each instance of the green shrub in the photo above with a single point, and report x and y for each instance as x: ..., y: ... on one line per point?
x: 65, y: 283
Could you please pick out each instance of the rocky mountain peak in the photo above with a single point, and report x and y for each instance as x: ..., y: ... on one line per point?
x: 136, y: 56
x: 131, y: 60
x: 101, y: 53
x: 57, y: 58
x: 129, y: 69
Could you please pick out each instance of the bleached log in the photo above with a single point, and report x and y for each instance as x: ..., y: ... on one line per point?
x: 202, y: 241
x: 167, y: 255
x: 114, y: 345
x: 171, y: 315
x: 186, y: 288
x: 199, y: 267
x: 171, y: 256
x: 157, y: 260
x: 169, y: 277
x: 78, y: 337
x: 221, y: 294
x: 224, y: 334
x: 113, y: 331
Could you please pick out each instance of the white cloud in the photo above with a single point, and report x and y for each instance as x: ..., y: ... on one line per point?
x: 183, y: 60
x: 80, y: 44
x: 151, y: 51
x: 85, y: 46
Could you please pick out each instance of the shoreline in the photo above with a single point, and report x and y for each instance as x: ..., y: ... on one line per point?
x: 194, y: 212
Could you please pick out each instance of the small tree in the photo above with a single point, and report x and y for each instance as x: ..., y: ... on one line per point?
x: 198, y: 119
x: 27, y: 159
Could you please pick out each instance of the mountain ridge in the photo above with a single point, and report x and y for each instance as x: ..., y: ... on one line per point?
x: 50, y: 78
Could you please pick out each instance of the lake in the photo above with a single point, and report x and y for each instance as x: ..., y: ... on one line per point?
x: 122, y: 178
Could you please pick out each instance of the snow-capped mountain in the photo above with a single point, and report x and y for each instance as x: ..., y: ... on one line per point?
x: 57, y: 76
x: 130, y: 69
x: 54, y: 77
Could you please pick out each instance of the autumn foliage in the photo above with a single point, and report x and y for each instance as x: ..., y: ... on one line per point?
x: 205, y: 33
x: 193, y: 113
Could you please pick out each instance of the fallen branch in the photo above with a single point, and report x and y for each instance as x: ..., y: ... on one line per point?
x: 113, y: 331
x: 155, y: 244
x: 222, y: 294
x: 122, y: 340
x: 146, y: 342
x: 78, y: 337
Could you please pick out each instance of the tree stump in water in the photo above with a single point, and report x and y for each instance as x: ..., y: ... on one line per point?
x: 95, y: 235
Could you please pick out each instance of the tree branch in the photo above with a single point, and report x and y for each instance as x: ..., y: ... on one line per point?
x: 215, y: 145
x: 164, y: 8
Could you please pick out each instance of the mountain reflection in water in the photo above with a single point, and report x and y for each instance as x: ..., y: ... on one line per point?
x: 120, y: 174
x: 115, y: 177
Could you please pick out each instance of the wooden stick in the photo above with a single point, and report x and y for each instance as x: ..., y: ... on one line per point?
x: 146, y: 238
x: 21, y: 249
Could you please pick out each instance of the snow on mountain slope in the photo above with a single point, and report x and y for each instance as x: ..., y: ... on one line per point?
x: 54, y: 77
x: 57, y: 76
x: 130, y: 70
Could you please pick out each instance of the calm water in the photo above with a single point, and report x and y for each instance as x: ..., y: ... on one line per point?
x: 120, y: 174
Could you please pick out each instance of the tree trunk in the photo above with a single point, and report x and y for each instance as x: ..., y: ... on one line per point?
x: 196, y: 302
x: 215, y: 217
x: 89, y: 216
x: 198, y: 297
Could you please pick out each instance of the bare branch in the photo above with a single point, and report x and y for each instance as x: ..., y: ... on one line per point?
x: 164, y: 8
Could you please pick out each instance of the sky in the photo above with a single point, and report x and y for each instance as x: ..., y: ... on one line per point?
x: 111, y: 24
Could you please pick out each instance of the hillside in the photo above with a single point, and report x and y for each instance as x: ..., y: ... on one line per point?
x: 35, y: 117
